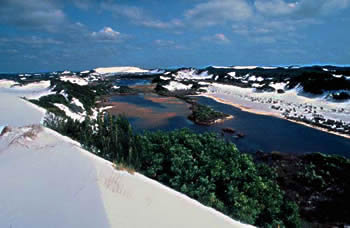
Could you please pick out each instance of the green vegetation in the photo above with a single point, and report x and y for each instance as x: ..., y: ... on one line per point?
x: 48, y: 101
x: 318, y: 183
x: 318, y: 82
x: 214, y: 172
x: 202, y: 166
x: 109, y: 137
x: 341, y: 96
x: 202, y: 114
x: 87, y: 95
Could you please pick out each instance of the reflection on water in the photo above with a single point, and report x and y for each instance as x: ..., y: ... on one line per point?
x: 132, y: 82
x: 150, y: 111
x: 274, y: 134
x: 265, y: 133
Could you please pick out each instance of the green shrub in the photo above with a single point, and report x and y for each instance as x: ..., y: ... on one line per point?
x: 214, y: 172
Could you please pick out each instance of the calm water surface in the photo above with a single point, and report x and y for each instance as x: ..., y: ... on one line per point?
x: 262, y: 132
x: 132, y: 82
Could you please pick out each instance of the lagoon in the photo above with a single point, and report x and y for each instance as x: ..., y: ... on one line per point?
x: 262, y: 133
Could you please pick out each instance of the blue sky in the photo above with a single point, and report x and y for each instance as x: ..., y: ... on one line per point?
x: 37, y: 35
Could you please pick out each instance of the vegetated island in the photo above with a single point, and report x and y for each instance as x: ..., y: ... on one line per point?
x: 201, y: 114
x: 205, y: 115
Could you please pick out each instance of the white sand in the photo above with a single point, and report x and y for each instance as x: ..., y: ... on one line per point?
x: 295, y: 100
x: 4, y: 83
x: 165, y: 78
x: 244, y: 67
x: 126, y: 69
x: 33, y: 90
x: 50, y: 181
x: 18, y: 112
x: 192, y: 74
x: 44, y: 84
x: 173, y: 86
x: 77, y: 103
x: 70, y: 113
x: 74, y: 79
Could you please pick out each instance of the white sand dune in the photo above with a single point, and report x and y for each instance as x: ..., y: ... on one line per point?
x: 4, y: 83
x: 48, y: 180
x: 18, y: 112
x: 244, y: 67
x: 173, y: 86
x: 74, y: 79
x: 126, y: 69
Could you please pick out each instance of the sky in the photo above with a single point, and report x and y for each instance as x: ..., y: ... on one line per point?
x: 49, y: 35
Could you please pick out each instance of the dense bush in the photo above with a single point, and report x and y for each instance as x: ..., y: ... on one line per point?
x: 203, y: 114
x: 48, y: 101
x: 109, y: 137
x: 201, y: 166
x: 341, y: 96
x: 214, y: 172
x: 86, y: 94
x: 318, y: 82
x: 318, y: 183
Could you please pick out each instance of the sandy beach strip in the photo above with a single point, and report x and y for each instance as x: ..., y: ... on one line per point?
x: 266, y: 113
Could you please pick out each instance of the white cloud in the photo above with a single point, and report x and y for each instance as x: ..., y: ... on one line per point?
x: 36, y: 14
x: 264, y: 21
x: 217, y: 38
x: 275, y: 7
x: 138, y: 16
x: 106, y: 34
x: 168, y: 44
x: 219, y: 11
x: 33, y: 41
x: 300, y: 9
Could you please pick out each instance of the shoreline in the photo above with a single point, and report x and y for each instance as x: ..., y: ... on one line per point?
x: 245, y: 109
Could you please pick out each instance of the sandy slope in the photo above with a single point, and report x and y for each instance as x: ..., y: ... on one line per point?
x: 126, y: 69
x: 15, y: 111
x: 48, y: 180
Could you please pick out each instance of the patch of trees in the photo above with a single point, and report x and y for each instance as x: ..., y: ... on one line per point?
x: 318, y: 183
x: 48, y: 101
x: 318, y: 82
x: 341, y: 96
x: 87, y: 94
x: 202, y: 114
x: 108, y: 136
x: 201, y: 166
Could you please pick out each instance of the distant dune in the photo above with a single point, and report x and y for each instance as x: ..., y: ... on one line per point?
x: 126, y: 69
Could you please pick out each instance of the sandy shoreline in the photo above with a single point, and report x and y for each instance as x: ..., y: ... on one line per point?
x: 250, y: 110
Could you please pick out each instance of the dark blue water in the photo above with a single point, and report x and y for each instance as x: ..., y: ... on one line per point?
x: 132, y: 82
x: 261, y: 132
x: 274, y: 134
